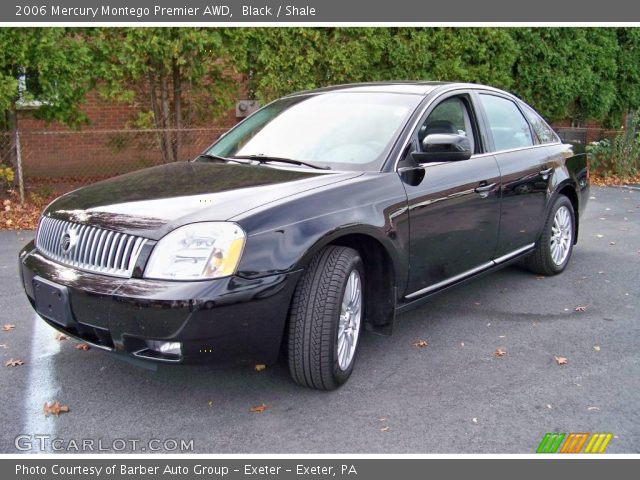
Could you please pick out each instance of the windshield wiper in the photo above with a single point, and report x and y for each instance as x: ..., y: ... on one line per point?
x: 267, y: 158
x: 210, y: 156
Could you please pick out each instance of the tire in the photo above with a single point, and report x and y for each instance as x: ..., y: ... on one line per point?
x: 545, y: 260
x: 316, y: 315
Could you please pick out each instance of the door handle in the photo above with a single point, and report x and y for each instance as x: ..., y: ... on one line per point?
x: 545, y: 172
x: 484, y: 188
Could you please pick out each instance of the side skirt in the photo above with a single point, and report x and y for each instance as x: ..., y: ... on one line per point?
x: 420, y: 297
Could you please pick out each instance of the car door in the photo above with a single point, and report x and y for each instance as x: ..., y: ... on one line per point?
x: 454, y: 207
x: 525, y: 167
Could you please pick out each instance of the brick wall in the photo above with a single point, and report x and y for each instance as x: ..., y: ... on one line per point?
x: 592, y: 129
x: 107, y: 146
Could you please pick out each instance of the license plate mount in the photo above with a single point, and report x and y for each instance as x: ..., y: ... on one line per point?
x: 52, y: 301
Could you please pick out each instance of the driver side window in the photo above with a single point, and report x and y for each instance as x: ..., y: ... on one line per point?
x: 450, y: 116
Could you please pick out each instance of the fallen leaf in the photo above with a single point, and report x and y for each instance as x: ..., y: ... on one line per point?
x: 61, y: 336
x: 8, y: 327
x: 474, y: 420
x: 384, y: 429
x: 420, y: 344
x: 500, y: 352
x: 210, y: 403
x: 581, y: 309
x: 593, y: 408
x: 596, y: 348
x: 13, y: 363
x: 561, y: 360
x: 258, y: 409
x: 259, y: 367
x: 55, y: 408
x: 82, y: 346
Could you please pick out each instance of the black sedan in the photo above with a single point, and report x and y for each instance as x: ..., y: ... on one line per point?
x: 321, y: 213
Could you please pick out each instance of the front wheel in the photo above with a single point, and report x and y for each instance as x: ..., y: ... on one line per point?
x: 326, y: 319
x: 553, y: 250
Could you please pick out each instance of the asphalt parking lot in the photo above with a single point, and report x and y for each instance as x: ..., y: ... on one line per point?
x: 452, y: 396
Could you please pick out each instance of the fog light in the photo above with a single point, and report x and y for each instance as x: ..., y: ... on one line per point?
x: 167, y: 348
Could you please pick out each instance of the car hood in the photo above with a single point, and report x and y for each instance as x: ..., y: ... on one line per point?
x: 153, y: 201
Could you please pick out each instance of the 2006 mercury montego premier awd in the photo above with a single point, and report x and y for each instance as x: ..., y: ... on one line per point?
x: 322, y: 212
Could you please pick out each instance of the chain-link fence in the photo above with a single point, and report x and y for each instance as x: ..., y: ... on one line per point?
x: 57, y: 161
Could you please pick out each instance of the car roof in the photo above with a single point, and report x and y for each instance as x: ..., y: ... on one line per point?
x: 407, y: 87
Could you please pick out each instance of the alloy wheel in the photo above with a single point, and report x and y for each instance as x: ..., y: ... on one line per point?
x: 350, y: 316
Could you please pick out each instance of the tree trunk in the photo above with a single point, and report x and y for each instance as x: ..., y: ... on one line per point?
x: 157, y: 118
x: 164, y: 97
x: 177, y: 110
x: 14, y: 151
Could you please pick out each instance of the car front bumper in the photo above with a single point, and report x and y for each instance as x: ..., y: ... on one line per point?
x: 227, y: 319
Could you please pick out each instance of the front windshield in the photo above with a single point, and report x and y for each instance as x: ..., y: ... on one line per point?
x: 340, y: 130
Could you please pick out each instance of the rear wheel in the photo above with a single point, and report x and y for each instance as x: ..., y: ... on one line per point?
x: 553, y: 250
x: 326, y: 319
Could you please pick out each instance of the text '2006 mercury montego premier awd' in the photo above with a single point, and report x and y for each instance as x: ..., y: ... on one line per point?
x: 321, y: 213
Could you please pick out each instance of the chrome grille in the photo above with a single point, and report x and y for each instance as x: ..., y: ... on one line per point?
x: 89, y: 248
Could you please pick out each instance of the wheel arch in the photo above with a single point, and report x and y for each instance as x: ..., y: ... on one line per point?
x: 383, y: 271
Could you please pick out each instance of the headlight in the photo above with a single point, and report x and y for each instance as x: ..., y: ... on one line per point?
x: 197, y: 251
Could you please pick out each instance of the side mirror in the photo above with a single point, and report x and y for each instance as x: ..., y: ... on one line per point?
x: 443, y: 147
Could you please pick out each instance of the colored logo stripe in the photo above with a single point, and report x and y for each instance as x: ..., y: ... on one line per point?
x: 598, y: 443
x: 550, y: 443
x: 574, y: 442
